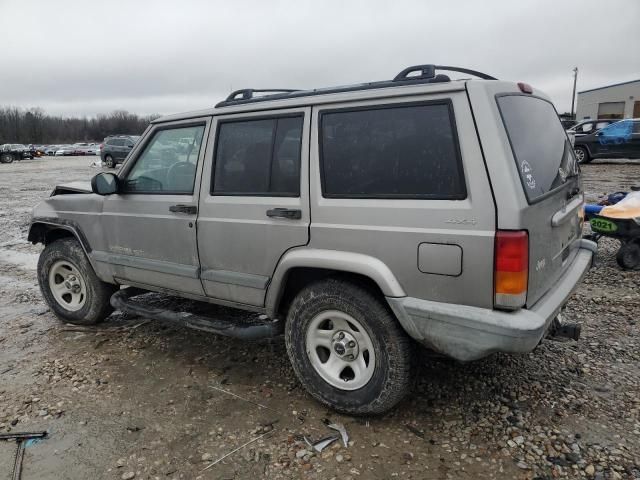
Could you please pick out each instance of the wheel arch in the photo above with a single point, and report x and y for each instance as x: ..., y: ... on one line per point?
x: 298, y: 268
x: 45, y: 232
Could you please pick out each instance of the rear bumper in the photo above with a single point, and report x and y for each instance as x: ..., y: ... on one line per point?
x: 468, y: 333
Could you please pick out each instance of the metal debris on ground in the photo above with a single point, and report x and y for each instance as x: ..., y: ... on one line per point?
x: 414, y: 430
x: 234, y: 451
x: 20, y: 438
x: 322, y: 443
x: 242, y: 398
x: 339, y: 428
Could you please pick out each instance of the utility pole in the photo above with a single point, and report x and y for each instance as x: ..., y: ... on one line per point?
x: 573, y: 97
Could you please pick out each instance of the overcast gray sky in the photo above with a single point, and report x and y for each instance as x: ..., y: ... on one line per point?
x: 87, y: 56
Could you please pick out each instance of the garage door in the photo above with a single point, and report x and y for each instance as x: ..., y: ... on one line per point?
x: 611, y: 110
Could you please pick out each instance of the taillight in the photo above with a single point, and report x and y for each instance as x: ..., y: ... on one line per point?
x: 511, y: 269
x: 101, y: 146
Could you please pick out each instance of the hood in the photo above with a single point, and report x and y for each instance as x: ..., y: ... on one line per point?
x: 73, y: 187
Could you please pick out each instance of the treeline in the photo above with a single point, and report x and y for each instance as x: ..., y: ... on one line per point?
x: 35, y: 126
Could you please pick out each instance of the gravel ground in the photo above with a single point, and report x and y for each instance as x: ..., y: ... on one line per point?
x: 140, y: 400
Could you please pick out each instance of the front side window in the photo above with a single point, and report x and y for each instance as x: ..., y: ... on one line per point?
x: 168, y: 162
x: 391, y: 152
x: 586, y: 127
x: 258, y: 157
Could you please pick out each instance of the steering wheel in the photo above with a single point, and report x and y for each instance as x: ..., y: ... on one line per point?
x: 177, y: 171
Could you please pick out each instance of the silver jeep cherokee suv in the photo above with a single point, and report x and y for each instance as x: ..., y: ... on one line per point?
x: 355, y: 219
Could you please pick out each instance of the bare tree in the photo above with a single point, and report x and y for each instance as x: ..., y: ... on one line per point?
x: 35, y: 126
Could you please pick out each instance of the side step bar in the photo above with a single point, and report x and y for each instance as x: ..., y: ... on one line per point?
x: 121, y: 300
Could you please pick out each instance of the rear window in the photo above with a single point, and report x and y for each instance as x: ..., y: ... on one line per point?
x: 408, y: 151
x: 540, y: 145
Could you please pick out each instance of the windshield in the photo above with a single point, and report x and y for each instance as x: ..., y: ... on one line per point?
x: 540, y: 145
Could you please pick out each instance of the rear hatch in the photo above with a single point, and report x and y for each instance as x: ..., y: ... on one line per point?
x: 549, y: 177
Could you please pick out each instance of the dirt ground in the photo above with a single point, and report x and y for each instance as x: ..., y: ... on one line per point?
x: 129, y: 400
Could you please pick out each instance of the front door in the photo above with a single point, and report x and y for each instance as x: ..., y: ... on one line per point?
x: 254, y: 204
x: 150, y: 223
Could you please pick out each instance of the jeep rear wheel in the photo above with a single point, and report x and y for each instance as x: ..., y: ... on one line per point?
x: 108, y: 160
x: 70, y: 286
x: 347, y: 349
x: 6, y: 158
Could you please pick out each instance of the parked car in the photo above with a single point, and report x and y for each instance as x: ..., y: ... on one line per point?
x: 358, y: 220
x: 51, y: 149
x: 93, y: 149
x: 586, y: 127
x: 13, y: 151
x: 616, y: 140
x: 116, y: 148
x: 65, y: 150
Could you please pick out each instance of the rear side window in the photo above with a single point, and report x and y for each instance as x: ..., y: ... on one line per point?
x: 258, y: 157
x: 539, y: 143
x: 408, y: 151
x: 116, y: 142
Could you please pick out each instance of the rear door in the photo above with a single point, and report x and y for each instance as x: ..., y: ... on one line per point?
x: 534, y: 175
x: 403, y: 181
x: 254, y: 204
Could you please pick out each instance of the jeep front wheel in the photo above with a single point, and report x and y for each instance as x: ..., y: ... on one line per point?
x: 347, y: 349
x: 70, y: 286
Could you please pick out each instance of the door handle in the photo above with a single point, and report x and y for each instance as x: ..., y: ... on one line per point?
x: 291, y: 213
x: 183, y: 209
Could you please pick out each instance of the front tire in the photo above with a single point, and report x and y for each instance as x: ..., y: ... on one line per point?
x: 70, y: 286
x: 347, y: 348
x: 108, y: 160
x: 6, y: 158
x: 582, y: 155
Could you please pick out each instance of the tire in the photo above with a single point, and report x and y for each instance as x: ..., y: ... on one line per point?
x: 81, y: 298
x: 108, y: 160
x: 582, y: 155
x: 383, y: 366
x: 6, y: 158
x: 628, y: 256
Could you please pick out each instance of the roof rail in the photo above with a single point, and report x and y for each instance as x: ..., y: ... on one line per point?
x: 426, y: 74
x: 429, y: 71
x: 247, y: 93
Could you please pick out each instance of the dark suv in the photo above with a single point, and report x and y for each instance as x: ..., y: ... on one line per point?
x: 116, y: 148
x: 617, y: 140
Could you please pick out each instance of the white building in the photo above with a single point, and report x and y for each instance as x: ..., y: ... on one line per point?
x: 621, y: 100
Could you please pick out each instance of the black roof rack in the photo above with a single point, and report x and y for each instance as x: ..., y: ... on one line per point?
x: 426, y: 74
x: 247, y: 93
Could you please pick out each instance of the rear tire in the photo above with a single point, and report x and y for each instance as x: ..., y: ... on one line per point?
x: 375, y: 370
x: 628, y: 256
x: 582, y: 155
x: 6, y: 158
x: 108, y: 160
x: 70, y: 286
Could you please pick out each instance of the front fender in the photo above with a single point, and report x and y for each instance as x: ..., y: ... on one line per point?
x: 365, y: 265
x: 41, y: 226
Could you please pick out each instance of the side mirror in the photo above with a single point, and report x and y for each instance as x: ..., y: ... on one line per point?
x: 598, y: 133
x: 104, y: 183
